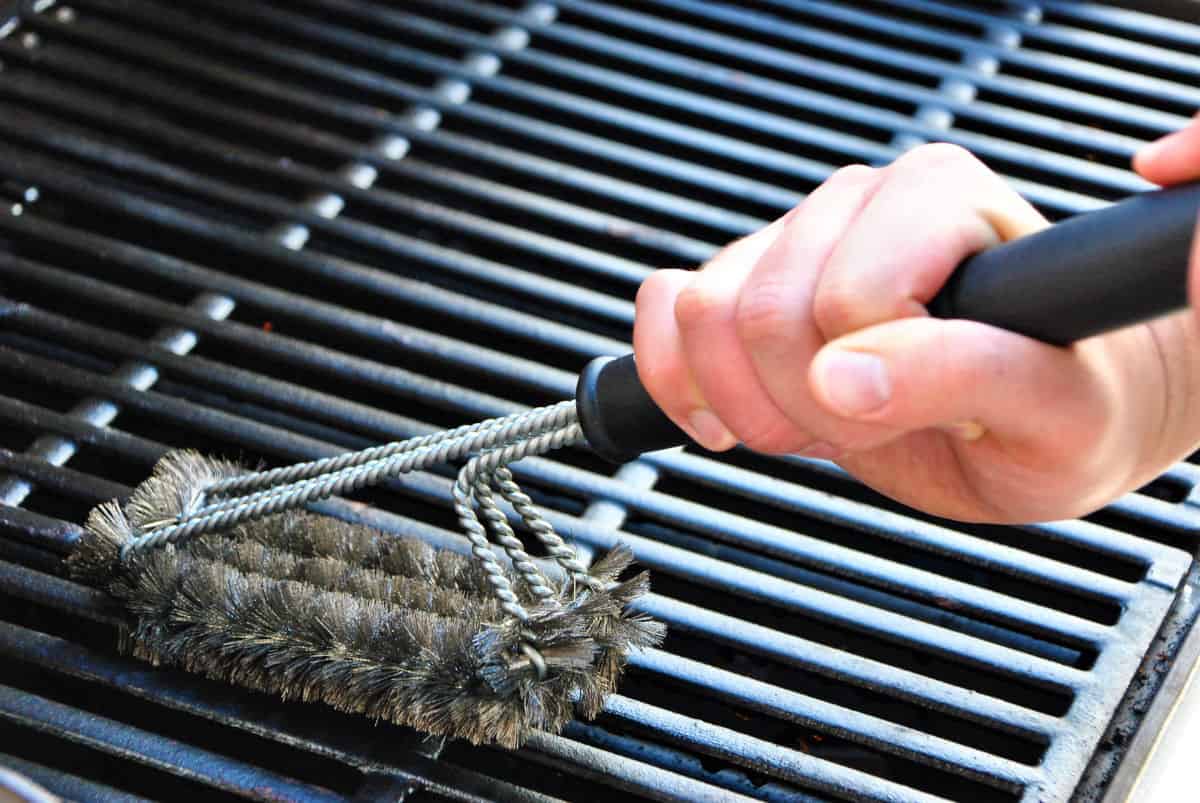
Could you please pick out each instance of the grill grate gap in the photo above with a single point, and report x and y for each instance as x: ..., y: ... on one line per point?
x: 869, y: 543
x: 732, y: 91
x: 862, y: 32
x: 750, y: 203
x: 678, y: 697
x: 856, y: 698
x: 1147, y: 99
x: 1166, y: 33
x: 970, y: 677
x: 733, y: 62
x: 547, y: 780
x: 844, y: 486
x: 57, y: 505
x: 1177, y: 73
x: 926, y: 18
x: 801, y: 178
x: 324, y: 345
x: 783, y: 43
x: 272, y: 756
x: 95, y: 765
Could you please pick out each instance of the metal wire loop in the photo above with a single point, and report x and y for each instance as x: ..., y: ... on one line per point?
x: 488, y: 447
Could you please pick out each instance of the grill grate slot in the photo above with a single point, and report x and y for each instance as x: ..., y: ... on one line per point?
x: 409, y: 216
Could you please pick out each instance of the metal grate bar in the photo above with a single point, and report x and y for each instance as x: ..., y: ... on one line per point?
x: 936, y: 114
x: 384, y: 426
x: 785, y: 493
x: 1150, y: 555
x: 774, y: 541
x: 853, y: 80
x: 730, y: 579
x: 663, y: 755
x: 105, y: 440
x: 1048, y: 63
x: 762, y: 756
x: 904, y: 529
x: 736, y: 150
x: 24, y: 124
x: 471, y: 113
x: 752, y: 120
x: 310, y: 729
x: 49, y: 534
x: 834, y: 663
x: 1098, y: 45
x: 59, y: 594
x: 333, y: 269
x: 58, y: 450
x: 60, y: 480
x: 38, y: 89
x: 130, y: 743
x: 1057, y: 97
x: 852, y: 725
x: 65, y: 785
x: 748, y: 751
x: 653, y: 783
x: 749, y: 157
x: 1161, y: 28
x: 382, y: 336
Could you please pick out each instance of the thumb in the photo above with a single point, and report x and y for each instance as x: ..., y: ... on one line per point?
x: 965, y: 377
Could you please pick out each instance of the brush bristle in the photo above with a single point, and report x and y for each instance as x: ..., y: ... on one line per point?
x: 313, y: 608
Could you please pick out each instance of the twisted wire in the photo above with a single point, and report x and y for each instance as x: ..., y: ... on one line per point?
x: 481, y: 548
x: 558, y: 549
x: 495, y: 520
x: 286, y: 475
x: 494, y: 444
x: 404, y: 457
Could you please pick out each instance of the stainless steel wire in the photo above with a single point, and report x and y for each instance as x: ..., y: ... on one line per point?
x: 488, y: 447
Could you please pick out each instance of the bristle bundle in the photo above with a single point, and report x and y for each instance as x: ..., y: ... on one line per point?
x: 316, y: 609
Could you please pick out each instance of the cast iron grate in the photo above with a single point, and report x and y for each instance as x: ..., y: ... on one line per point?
x: 281, y: 229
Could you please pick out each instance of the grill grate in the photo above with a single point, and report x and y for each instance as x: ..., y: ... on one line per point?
x: 283, y: 229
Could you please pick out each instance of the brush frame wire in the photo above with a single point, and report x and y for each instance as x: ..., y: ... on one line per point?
x: 494, y: 443
x: 310, y: 607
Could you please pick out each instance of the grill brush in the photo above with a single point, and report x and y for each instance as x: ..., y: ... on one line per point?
x: 224, y: 572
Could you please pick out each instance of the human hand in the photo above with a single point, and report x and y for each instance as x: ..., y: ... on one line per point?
x: 811, y: 336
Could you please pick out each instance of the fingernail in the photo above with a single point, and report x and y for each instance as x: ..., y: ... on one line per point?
x: 854, y: 383
x: 709, y: 432
x: 964, y: 430
x: 822, y: 451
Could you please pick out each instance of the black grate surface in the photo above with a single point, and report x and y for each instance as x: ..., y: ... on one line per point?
x: 280, y: 229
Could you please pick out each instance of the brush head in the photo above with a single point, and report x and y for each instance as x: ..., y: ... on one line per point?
x: 314, y: 608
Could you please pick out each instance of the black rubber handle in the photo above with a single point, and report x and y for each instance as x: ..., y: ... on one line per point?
x: 1087, y: 275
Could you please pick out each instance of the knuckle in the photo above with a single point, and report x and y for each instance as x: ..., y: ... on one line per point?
x: 835, y: 309
x: 697, y: 306
x: 763, y: 313
x: 778, y: 436
x: 939, y: 156
x: 853, y: 174
x: 652, y: 288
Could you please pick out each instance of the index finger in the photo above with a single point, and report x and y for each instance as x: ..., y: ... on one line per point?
x: 1173, y: 159
x: 937, y: 205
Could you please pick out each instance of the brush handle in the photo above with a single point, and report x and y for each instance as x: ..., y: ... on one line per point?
x: 1090, y: 274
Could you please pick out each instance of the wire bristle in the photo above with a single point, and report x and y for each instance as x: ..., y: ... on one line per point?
x: 313, y: 608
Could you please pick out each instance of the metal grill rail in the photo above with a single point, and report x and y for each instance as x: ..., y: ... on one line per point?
x: 258, y: 226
